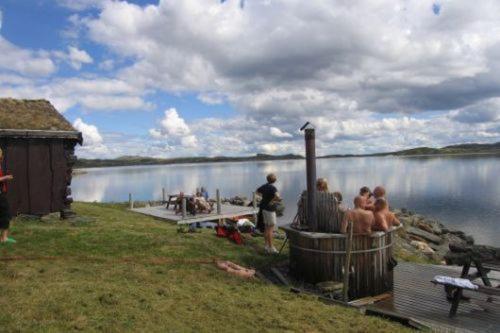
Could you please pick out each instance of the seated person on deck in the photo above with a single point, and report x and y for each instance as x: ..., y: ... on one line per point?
x: 190, y: 204
x: 178, y: 203
x: 384, y: 219
x: 202, y: 205
x: 204, y: 193
x: 362, y: 220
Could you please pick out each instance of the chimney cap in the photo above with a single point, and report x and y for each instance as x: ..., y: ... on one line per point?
x: 307, y: 125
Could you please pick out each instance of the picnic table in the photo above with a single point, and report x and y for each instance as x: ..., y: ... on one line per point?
x: 484, y: 259
x: 458, y: 285
x: 173, y: 199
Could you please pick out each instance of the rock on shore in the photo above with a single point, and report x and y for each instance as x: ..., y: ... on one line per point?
x: 427, y: 237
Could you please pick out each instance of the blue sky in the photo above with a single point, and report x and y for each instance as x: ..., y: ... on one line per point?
x: 211, y: 77
x: 41, y: 25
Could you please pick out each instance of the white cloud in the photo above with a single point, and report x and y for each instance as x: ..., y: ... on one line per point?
x: 277, y: 133
x: 102, y: 94
x: 90, y: 133
x: 173, y: 125
x: 22, y: 61
x: 92, y: 139
x: 74, y: 57
x: 78, y: 57
x: 174, y: 129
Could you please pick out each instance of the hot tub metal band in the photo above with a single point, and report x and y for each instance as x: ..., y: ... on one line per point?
x: 342, y: 252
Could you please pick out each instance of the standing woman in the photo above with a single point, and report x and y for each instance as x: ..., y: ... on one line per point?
x: 270, y: 197
x: 4, y: 205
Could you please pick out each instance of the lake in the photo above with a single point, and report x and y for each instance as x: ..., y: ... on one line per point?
x: 461, y: 192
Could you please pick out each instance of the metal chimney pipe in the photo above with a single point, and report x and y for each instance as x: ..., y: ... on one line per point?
x: 310, y: 138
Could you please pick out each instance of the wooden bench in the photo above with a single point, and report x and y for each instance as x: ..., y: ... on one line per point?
x: 457, y: 292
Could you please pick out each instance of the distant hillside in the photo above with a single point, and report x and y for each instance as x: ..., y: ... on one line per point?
x: 461, y: 149
x: 140, y: 160
x: 468, y: 148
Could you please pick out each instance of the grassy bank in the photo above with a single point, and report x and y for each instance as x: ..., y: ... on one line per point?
x: 119, y: 271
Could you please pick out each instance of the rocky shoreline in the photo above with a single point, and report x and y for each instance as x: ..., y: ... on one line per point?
x: 427, y: 238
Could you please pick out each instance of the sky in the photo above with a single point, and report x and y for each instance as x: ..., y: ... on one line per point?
x: 174, y: 78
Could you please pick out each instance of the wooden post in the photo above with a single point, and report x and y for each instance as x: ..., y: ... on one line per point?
x: 130, y: 201
x: 163, y: 197
x: 219, y: 208
x: 184, y: 208
x: 347, y: 263
x: 310, y: 139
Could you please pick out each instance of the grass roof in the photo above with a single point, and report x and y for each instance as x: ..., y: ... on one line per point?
x: 35, y: 114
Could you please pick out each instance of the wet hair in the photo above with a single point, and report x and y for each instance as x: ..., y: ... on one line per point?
x: 271, y: 178
x: 379, y: 191
x: 322, y: 184
x: 338, y: 196
x: 380, y: 203
x: 364, y: 190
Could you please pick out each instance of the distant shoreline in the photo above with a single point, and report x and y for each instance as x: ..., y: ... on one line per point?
x: 417, y: 155
x: 147, y: 161
x: 116, y: 163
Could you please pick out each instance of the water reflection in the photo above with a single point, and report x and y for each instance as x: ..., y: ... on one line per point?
x: 461, y: 192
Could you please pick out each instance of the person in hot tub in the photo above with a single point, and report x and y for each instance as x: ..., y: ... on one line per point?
x: 362, y: 220
x: 384, y: 219
x: 378, y: 193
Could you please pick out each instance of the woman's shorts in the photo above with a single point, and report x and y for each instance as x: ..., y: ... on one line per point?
x: 269, y: 218
x: 4, y: 212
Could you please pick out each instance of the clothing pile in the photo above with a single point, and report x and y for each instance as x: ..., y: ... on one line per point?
x: 230, y: 232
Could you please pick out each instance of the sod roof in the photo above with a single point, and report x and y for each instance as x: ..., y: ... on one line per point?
x: 35, y: 114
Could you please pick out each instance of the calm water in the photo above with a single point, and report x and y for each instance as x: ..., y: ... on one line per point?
x: 462, y: 192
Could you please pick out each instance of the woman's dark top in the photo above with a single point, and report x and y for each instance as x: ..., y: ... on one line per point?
x: 268, y: 192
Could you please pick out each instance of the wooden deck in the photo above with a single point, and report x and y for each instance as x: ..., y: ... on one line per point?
x: 227, y: 211
x: 416, y: 298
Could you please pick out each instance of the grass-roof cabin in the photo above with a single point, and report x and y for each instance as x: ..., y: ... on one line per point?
x: 38, y: 145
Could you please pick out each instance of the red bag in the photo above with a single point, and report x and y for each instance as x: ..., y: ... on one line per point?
x: 235, y: 236
x: 221, y: 231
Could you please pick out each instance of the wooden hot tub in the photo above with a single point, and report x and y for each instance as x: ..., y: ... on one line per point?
x: 316, y: 257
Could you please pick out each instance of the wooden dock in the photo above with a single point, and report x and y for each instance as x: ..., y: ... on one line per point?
x: 227, y: 212
x: 416, y: 299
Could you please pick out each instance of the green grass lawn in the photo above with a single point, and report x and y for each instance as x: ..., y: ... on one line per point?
x: 128, y: 272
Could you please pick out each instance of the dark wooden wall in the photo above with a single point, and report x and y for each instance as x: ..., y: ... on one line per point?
x: 42, y: 174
